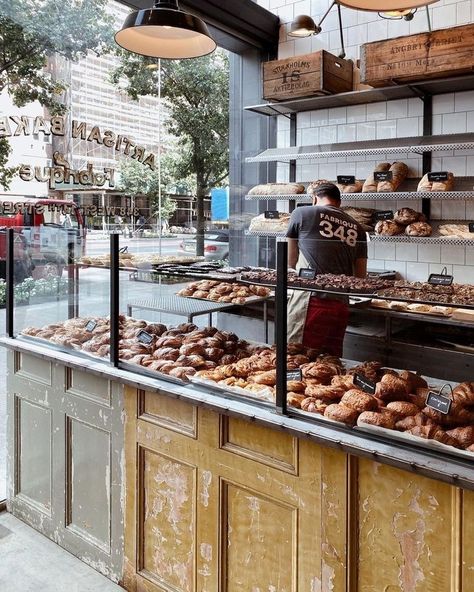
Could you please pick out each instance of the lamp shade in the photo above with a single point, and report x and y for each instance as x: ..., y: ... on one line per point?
x: 165, y: 32
x: 384, y: 5
x: 303, y: 26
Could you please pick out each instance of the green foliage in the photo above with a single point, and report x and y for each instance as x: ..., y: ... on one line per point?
x: 6, y: 173
x: 135, y: 179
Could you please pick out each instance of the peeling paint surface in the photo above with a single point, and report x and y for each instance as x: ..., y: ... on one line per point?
x: 206, y: 480
x: 169, y: 521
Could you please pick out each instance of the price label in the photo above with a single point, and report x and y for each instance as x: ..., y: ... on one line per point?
x: 440, y: 279
x: 439, y: 176
x: 144, y: 337
x: 294, y: 374
x: 346, y: 179
x: 471, y: 226
x: 91, y: 325
x: 438, y: 402
x: 383, y: 175
x: 272, y: 214
x: 365, y: 384
x: 307, y: 274
x: 383, y: 215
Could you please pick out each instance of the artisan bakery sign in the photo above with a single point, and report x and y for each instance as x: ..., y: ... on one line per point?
x: 22, y: 125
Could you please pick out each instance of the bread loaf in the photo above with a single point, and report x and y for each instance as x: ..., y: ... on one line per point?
x: 352, y: 188
x: 399, y: 173
x: 277, y: 189
x: 426, y: 185
x: 370, y: 184
x: 419, y: 229
x: 389, y: 227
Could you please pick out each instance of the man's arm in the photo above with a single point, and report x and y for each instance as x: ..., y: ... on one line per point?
x: 360, y: 267
x: 293, y: 252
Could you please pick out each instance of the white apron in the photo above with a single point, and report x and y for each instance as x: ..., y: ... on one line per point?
x: 298, y: 307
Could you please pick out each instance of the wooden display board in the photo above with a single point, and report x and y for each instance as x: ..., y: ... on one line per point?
x: 306, y: 75
x: 447, y: 52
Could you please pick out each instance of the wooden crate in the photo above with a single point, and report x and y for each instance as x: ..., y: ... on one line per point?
x: 306, y: 76
x: 423, y: 56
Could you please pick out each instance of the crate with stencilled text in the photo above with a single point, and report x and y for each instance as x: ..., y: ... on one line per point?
x: 317, y: 73
x: 415, y: 58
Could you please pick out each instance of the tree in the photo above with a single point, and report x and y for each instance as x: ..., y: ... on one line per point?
x: 135, y: 179
x: 197, y: 99
x: 31, y: 31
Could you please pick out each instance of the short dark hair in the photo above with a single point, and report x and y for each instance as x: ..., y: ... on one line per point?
x: 328, y: 190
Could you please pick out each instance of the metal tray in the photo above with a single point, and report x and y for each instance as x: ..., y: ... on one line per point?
x: 267, y: 400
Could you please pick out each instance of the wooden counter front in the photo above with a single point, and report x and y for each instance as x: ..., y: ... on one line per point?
x: 220, y: 504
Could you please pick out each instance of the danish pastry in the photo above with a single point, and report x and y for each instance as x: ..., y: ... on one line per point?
x: 341, y: 413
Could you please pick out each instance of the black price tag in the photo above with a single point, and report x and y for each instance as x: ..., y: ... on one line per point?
x: 272, y: 214
x: 365, y: 384
x: 144, y: 337
x: 438, y: 402
x: 294, y: 374
x: 91, y: 325
x: 383, y: 175
x: 307, y: 274
x: 441, y: 176
x: 440, y: 279
x: 383, y: 215
x: 471, y: 226
x: 346, y: 179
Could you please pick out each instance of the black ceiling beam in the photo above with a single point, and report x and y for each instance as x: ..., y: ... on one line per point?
x: 236, y: 25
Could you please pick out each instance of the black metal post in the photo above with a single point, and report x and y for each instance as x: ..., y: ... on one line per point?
x: 71, y: 282
x: 114, y: 300
x: 10, y: 278
x: 281, y: 324
x: 292, y: 171
x: 427, y: 156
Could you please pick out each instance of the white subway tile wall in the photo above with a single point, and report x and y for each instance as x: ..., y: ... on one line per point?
x: 452, y: 113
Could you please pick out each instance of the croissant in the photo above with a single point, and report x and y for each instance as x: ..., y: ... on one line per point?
x: 358, y: 400
x: 295, y: 399
x: 313, y: 405
x: 383, y: 420
x: 434, y: 432
x: 458, y: 416
x: 414, y: 380
x: 392, y: 388
x: 463, y: 436
x: 464, y: 393
x: 412, y: 421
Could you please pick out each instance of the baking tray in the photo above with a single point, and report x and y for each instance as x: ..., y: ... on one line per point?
x: 249, y: 300
x: 411, y: 439
x: 267, y: 399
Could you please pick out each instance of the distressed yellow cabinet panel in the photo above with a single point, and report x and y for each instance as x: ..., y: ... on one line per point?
x: 259, y: 543
x: 167, y: 524
x: 168, y: 412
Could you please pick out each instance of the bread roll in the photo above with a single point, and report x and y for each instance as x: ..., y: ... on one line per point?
x: 388, y: 227
x: 358, y: 400
x: 370, y: 184
x: 406, y: 216
x: 426, y: 185
x: 341, y: 413
x: 383, y: 420
x: 399, y: 174
x: 277, y: 189
x: 419, y: 229
x: 352, y: 188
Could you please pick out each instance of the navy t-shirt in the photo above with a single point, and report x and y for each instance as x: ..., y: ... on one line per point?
x: 329, y: 238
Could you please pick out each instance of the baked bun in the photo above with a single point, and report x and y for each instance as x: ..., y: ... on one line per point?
x: 358, y: 400
x: 464, y: 393
x: 376, y: 418
x: 388, y: 227
x: 406, y: 216
x: 403, y: 409
x: 419, y: 229
x: 415, y: 381
x: 326, y: 393
x: 341, y: 413
x: 392, y: 388
x: 313, y: 405
x: 295, y: 386
x: 295, y: 399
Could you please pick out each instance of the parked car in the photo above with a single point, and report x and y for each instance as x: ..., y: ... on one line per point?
x: 216, y: 245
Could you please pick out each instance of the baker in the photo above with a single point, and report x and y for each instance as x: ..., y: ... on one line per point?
x: 324, y: 238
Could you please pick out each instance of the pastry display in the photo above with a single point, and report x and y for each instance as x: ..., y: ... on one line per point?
x: 399, y: 172
x: 389, y: 227
x: 426, y: 185
x: 262, y: 224
x: 419, y: 229
x: 370, y: 184
x: 456, y: 294
x: 363, y: 216
x: 277, y: 189
x: 223, y: 291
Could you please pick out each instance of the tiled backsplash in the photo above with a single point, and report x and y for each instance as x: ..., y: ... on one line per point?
x: 452, y: 113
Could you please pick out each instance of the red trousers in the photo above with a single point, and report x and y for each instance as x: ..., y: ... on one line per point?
x: 325, y: 326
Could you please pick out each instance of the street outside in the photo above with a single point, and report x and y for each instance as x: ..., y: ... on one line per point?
x: 93, y: 300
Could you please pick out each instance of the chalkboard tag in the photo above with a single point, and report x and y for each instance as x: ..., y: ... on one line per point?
x: 440, y: 176
x: 294, y: 374
x: 307, y: 274
x: 471, y: 226
x: 440, y: 279
x: 346, y: 179
x: 144, y: 337
x: 383, y: 175
x: 438, y: 402
x: 91, y: 325
x: 383, y: 215
x: 365, y: 384
x: 272, y: 214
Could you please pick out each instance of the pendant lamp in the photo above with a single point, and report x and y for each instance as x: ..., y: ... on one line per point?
x: 385, y: 5
x: 165, y: 31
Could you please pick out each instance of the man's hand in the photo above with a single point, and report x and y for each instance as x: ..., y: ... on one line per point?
x: 293, y: 252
